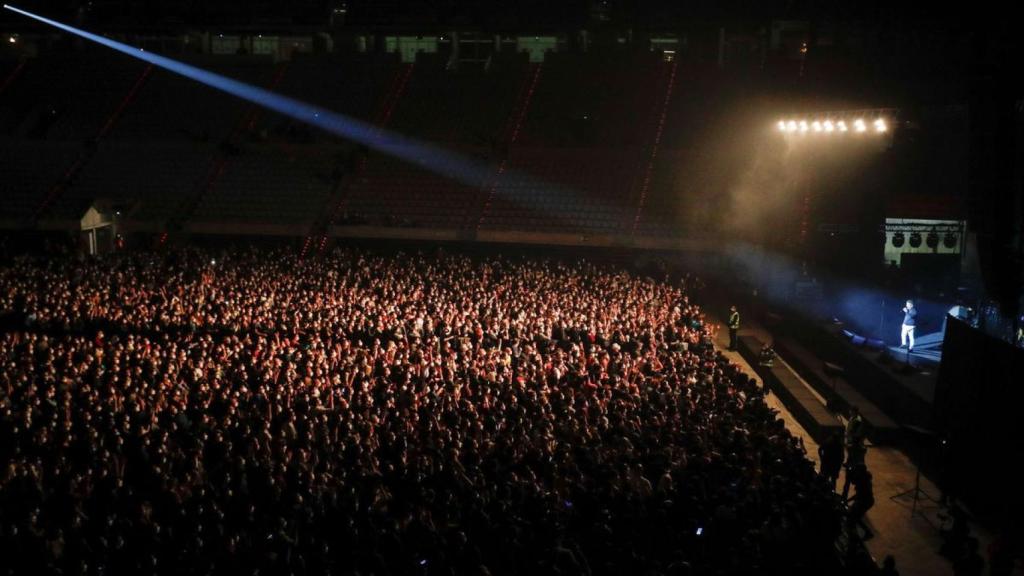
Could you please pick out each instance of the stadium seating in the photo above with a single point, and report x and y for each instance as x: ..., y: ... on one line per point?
x: 562, y: 189
x: 269, y: 185
x: 156, y: 177
x: 28, y: 171
x: 467, y: 106
x: 171, y: 107
x: 569, y: 141
x: 584, y: 102
x: 352, y: 86
x: 390, y: 192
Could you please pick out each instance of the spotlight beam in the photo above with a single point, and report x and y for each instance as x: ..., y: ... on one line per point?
x: 422, y: 154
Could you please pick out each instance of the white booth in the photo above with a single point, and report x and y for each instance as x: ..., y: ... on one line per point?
x: 99, y: 230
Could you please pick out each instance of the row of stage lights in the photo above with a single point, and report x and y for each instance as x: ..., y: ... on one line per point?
x: 858, y: 126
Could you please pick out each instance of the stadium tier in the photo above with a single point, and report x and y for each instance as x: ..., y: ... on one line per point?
x: 568, y: 143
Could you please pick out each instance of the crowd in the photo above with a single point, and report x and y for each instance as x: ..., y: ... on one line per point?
x: 256, y: 413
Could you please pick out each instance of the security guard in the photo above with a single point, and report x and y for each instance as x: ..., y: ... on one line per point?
x: 734, y: 326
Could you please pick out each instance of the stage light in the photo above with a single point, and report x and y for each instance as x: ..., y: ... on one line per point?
x: 874, y: 121
x: 915, y: 239
x: 12, y: 39
x: 949, y: 240
x: 932, y: 240
x: 898, y: 239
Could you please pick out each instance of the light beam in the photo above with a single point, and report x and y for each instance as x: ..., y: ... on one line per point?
x: 422, y: 154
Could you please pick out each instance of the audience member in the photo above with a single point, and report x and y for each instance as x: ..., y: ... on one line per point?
x: 862, y: 501
x: 831, y: 454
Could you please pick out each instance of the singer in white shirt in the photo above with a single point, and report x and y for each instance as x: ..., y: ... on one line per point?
x: 909, y: 321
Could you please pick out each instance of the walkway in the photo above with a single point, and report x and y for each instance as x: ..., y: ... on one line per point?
x: 913, y: 540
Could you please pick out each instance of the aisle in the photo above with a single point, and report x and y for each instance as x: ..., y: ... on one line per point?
x: 913, y: 541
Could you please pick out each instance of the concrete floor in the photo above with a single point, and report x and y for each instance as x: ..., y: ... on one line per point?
x: 912, y: 539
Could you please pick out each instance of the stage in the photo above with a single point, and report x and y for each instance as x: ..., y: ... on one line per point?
x: 900, y: 383
x: 927, y: 352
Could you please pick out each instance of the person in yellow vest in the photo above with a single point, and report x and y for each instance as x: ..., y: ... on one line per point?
x: 734, y: 326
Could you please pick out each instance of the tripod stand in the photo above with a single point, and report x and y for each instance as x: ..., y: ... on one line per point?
x: 917, y: 493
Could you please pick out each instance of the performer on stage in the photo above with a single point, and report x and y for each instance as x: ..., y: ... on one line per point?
x: 909, y: 321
